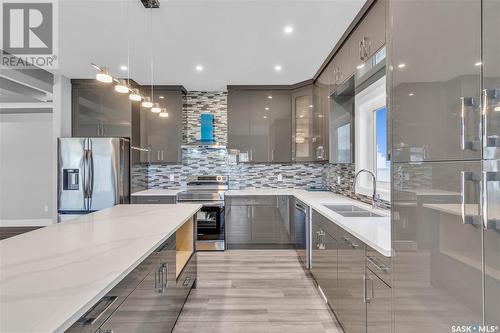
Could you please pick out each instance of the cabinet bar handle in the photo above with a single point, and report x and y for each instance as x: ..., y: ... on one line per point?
x: 465, y: 176
x: 489, y: 176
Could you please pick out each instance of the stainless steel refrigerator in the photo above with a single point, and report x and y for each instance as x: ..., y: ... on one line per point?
x: 445, y: 105
x: 93, y: 173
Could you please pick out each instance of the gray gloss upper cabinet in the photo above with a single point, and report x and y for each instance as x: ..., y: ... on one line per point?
x: 97, y: 110
x: 321, y: 90
x: 431, y: 90
x: 260, y: 124
x: 163, y: 136
x: 369, y: 35
x: 303, y: 138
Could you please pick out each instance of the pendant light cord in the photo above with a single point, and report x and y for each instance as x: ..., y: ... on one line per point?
x: 151, y: 48
x: 128, y: 45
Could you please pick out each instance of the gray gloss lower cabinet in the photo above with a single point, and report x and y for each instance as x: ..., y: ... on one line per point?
x: 153, y: 199
x: 148, y: 299
x: 338, y: 266
x: 257, y: 221
x: 378, y: 304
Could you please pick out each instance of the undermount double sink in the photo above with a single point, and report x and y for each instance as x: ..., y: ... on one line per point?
x: 348, y: 210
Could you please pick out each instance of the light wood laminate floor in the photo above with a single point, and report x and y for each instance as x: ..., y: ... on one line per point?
x: 254, y: 291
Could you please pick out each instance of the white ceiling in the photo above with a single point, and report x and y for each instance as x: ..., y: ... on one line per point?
x: 236, y: 41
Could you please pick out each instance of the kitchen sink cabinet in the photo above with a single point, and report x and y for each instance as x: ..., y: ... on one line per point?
x: 378, y: 304
x: 338, y: 266
x: 260, y: 124
x: 257, y: 221
x: 163, y: 136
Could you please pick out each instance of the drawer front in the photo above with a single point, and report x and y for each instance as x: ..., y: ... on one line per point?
x: 154, y: 199
x: 187, y: 279
x: 260, y: 200
x: 379, y: 265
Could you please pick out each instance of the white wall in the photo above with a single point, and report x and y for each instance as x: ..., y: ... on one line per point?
x: 28, y: 161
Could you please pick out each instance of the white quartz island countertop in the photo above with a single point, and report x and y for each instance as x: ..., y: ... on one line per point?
x: 51, y: 276
x: 373, y: 231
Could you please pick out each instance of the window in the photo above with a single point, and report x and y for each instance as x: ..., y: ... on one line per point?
x: 382, y: 166
x: 371, y: 139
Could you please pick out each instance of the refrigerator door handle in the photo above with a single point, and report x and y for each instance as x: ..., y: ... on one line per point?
x: 489, y: 176
x: 91, y: 178
x: 466, y: 176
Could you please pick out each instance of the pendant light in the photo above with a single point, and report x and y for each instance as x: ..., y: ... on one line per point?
x: 135, y: 95
x: 163, y: 113
x: 156, y: 108
x: 146, y: 103
x: 122, y: 87
x: 103, y: 75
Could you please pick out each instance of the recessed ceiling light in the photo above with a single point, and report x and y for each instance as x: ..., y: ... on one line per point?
x: 288, y: 29
x: 199, y: 68
x: 478, y: 63
x: 123, y: 68
x: 278, y: 68
x: 401, y: 65
x: 411, y: 94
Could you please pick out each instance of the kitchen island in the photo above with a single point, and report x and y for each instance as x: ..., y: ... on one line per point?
x: 52, y: 276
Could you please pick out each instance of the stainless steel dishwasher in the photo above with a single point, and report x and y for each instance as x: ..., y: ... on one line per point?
x: 303, y: 233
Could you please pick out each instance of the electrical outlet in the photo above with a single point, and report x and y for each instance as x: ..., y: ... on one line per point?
x: 172, y: 177
x: 280, y: 177
x: 338, y: 180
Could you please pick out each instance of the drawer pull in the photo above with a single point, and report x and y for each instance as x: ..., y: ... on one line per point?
x: 380, y: 267
x: 97, y: 310
x: 350, y: 243
x: 186, y: 281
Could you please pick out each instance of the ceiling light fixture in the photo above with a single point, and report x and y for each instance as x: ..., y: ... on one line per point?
x: 278, y: 68
x: 288, y: 29
x: 163, y: 113
x: 103, y: 75
x: 122, y: 87
x: 401, y: 65
x: 199, y: 68
x: 134, y: 95
x: 156, y: 108
x: 146, y: 103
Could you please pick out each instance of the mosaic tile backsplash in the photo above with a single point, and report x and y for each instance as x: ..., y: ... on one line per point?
x: 203, y: 161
